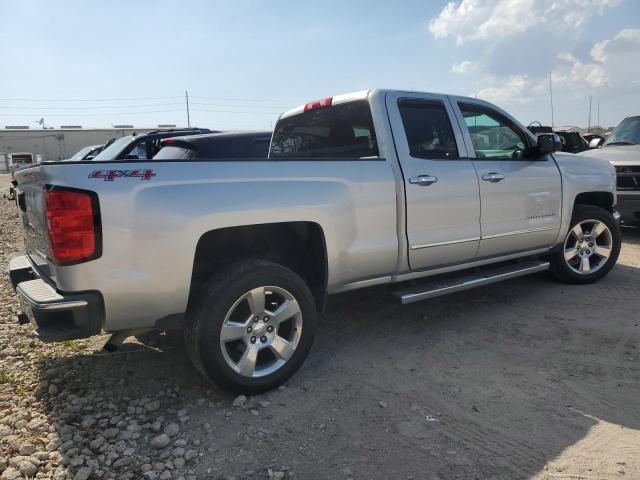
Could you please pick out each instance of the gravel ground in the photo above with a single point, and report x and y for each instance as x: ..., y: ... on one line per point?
x: 524, y: 379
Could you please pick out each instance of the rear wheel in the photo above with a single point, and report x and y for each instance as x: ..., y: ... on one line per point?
x: 251, y: 326
x: 590, y: 249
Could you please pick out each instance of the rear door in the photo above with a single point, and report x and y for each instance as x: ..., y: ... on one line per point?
x: 442, y: 193
x: 520, y: 196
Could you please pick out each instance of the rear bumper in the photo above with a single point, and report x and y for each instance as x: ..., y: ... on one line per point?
x: 55, y: 316
x: 629, y: 208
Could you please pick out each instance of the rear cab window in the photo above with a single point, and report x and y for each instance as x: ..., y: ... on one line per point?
x: 343, y: 131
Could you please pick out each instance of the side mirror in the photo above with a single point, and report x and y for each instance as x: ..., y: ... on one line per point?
x: 549, y: 143
x: 89, y: 157
x: 596, y: 142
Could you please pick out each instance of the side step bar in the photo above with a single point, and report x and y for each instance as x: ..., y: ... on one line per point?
x: 438, y: 286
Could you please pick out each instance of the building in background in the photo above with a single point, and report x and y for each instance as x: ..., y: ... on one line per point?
x: 59, y: 143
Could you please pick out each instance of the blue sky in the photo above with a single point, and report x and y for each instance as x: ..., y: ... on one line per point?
x: 104, y: 63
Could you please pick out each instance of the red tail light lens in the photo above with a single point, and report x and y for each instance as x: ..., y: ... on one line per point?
x: 325, y: 102
x: 73, y: 225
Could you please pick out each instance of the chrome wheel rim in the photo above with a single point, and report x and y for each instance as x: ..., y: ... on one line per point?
x: 588, y: 246
x: 261, y: 331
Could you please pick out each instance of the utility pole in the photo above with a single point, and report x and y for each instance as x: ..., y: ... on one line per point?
x: 551, y: 94
x: 186, y: 97
x: 599, y: 113
x: 590, y: 98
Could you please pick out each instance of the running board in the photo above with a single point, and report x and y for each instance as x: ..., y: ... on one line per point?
x: 437, y: 286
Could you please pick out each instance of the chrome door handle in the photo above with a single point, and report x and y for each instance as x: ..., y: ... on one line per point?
x: 423, y: 180
x: 493, y: 177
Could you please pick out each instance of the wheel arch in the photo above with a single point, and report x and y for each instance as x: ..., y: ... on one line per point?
x: 299, y: 246
x: 600, y: 199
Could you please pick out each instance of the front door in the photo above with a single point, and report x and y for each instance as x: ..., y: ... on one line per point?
x: 521, y: 196
x: 441, y: 185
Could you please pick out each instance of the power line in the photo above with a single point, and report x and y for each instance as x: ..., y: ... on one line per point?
x: 235, y: 111
x: 280, y: 101
x: 88, y: 114
x: 87, y: 99
x: 235, y: 106
x: 121, y: 99
x: 92, y: 107
x: 136, y: 113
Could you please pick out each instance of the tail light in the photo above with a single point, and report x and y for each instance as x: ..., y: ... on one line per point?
x: 73, y: 222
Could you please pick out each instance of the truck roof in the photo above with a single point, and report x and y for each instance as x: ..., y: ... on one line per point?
x: 359, y: 95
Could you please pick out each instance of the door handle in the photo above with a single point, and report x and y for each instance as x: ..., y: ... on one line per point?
x: 493, y: 177
x: 423, y: 180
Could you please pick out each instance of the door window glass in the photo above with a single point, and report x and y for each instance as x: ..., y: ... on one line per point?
x: 428, y: 130
x: 492, y: 135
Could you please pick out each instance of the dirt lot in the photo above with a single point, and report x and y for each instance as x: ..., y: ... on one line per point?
x: 525, y: 379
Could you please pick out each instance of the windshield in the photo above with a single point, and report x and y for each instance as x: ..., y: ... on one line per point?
x: 81, y: 154
x: 113, y: 150
x: 628, y: 132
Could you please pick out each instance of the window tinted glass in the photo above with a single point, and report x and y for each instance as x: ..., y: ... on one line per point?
x: 492, y: 136
x: 428, y: 129
x: 339, y: 131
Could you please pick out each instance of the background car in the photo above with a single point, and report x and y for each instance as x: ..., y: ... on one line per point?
x: 143, y: 146
x: 87, y: 153
x: 242, y: 144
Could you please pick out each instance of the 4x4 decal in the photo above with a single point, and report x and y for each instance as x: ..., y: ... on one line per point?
x: 111, y: 175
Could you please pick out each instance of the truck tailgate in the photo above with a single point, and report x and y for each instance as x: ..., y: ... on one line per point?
x: 30, y: 199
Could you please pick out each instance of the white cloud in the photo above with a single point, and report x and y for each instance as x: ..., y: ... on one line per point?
x: 513, y: 90
x: 614, y: 63
x: 491, y: 19
x: 462, y: 67
x: 626, y: 41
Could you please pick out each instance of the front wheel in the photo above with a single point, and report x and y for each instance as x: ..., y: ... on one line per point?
x: 590, y: 249
x: 251, y: 327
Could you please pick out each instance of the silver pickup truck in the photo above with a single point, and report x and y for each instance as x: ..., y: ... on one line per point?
x: 428, y: 193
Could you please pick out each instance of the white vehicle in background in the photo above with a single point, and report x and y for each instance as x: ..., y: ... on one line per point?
x: 622, y: 150
x: 20, y: 159
x: 16, y: 161
x: 87, y: 153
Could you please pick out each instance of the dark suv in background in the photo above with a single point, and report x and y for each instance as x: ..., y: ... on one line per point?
x: 241, y: 144
x: 143, y: 146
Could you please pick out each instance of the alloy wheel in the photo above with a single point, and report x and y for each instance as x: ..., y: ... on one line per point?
x: 588, y: 246
x: 261, y: 331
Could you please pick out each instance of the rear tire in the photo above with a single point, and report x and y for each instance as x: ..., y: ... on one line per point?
x: 251, y: 326
x: 590, y: 248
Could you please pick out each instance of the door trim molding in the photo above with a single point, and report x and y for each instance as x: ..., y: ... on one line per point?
x: 485, y: 237
x: 439, y: 244
x: 520, y: 232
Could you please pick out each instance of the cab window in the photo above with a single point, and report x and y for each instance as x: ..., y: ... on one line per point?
x: 492, y: 135
x: 428, y: 130
x: 343, y: 131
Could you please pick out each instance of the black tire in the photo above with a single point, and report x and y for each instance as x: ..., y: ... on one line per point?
x: 559, y: 267
x: 216, y: 297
